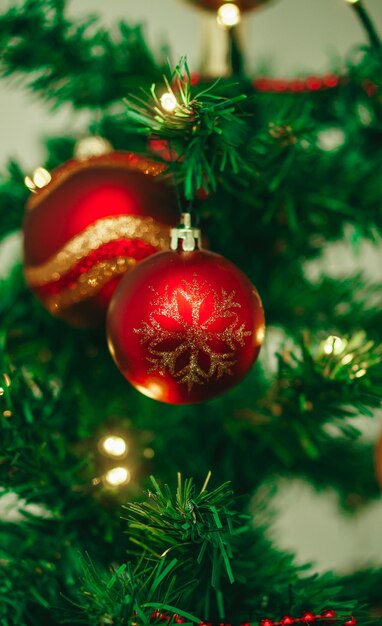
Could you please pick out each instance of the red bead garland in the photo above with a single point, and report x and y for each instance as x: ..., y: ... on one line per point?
x: 296, y: 85
x: 307, y: 84
x: 308, y: 617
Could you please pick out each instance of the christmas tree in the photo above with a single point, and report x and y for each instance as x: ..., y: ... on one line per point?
x: 149, y: 502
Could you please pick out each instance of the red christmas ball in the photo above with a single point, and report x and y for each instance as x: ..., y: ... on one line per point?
x: 185, y: 327
x: 214, y: 5
x: 93, y: 222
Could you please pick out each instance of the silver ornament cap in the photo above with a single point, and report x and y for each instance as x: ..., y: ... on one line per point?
x: 185, y: 237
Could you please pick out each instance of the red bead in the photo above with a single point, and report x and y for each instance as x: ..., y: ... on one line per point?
x: 313, y: 83
x: 287, y: 621
x: 308, y: 617
x: 351, y: 622
x: 267, y: 622
x: 297, y: 85
x: 178, y: 619
x: 195, y: 78
x: 262, y: 84
x: 329, y: 613
x: 185, y: 327
x: 91, y: 224
x: 280, y: 85
x: 370, y: 88
x: 157, y: 615
x: 330, y: 80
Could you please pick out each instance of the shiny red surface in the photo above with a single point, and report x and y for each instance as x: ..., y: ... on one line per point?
x: 134, y: 305
x: 79, y: 195
x: 88, y: 195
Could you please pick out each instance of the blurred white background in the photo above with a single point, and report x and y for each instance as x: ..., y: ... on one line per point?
x: 292, y: 36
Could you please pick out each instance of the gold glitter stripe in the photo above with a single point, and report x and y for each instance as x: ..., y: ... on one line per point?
x: 89, y: 284
x: 101, y: 232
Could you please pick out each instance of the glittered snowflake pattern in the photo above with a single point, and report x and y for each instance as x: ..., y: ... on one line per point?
x: 193, y: 333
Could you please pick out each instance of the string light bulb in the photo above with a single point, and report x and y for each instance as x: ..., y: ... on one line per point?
x: 113, y: 446
x: 39, y: 179
x: 94, y: 145
x: 117, y: 476
x: 360, y: 373
x: 333, y: 345
x: 168, y: 102
x: 228, y: 15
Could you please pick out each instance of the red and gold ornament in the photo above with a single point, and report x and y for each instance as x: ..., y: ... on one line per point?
x: 187, y: 324
x: 94, y: 221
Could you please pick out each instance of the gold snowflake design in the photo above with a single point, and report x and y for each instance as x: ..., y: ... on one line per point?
x: 191, y: 313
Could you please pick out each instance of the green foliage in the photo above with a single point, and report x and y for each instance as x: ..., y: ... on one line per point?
x: 77, y: 62
x: 186, y: 522
x: 204, y: 131
x: 286, y: 173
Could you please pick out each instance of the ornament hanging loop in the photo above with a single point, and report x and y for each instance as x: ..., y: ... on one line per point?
x: 185, y: 237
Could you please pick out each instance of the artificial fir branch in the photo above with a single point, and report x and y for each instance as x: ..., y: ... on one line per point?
x: 285, y: 421
x: 273, y: 163
x: 204, y: 129
x: 77, y: 62
x: 264, y: 581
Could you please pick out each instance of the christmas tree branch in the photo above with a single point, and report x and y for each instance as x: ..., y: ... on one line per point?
x: 367, y: 23
x: 267, y: 584
x: 77, y: 62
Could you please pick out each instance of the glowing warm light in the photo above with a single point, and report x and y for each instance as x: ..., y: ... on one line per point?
x: 7, y: 413
x: 347, y: 359
x: 88, y: 147
x: 113, y: 445
x: 228, y: 15
x: 117, y: 476
x: 152, y: 390
x: 40, y: 178
x: 334, y: 345
x: 148, y: 453
x: 1, y: 391
x: 330, y: 139
x: 6, y: 380
x: 360, y: 373
x: 168, y: 102
x: 260, y: 334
